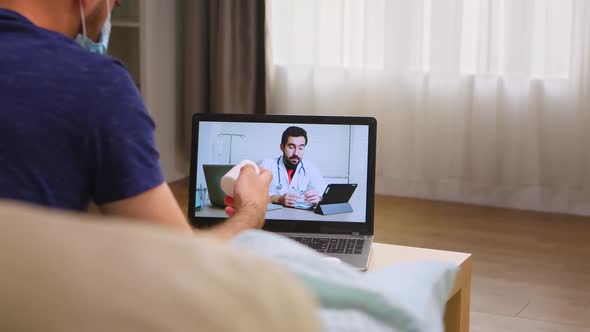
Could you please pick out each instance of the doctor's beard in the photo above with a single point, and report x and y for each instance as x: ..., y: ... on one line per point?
x: 293, y: 162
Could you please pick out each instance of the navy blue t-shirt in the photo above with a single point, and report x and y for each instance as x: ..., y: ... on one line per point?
x: 73, y: 126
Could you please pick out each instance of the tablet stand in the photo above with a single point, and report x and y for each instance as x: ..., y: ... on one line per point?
x: 328, y: 209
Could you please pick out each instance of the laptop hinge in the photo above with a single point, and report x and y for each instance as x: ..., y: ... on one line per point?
x: 356, y: 233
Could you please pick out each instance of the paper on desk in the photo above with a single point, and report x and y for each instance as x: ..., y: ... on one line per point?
x: 408, y: 297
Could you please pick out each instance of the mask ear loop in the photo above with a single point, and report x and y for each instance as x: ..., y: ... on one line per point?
x: 108, y: 9
x: 83, y: 19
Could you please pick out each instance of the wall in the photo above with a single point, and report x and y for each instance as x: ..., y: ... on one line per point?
x: 328, y: 146
x: 359, y: 136
x: 161, y: 81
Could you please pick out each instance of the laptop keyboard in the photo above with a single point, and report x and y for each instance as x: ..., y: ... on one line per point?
x: 333, y: 246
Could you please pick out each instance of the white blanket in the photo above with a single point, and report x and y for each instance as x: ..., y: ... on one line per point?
x: 408, y: 297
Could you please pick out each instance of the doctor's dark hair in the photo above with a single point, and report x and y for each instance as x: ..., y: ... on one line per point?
x: 293, y: 132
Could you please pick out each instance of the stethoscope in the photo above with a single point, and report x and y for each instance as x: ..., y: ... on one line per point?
x: 280, y: 186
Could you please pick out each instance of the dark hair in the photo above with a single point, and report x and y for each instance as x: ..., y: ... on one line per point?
x: 293, y: 132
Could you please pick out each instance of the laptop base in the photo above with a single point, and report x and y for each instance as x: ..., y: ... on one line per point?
x: 352, y: 255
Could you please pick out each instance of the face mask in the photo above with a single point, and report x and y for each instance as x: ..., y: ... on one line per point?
x: 102, y: 45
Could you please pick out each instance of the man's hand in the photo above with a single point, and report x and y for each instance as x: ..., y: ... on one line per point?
x: 312, y: 197
x: 248, y: 206
x: 288, y: 199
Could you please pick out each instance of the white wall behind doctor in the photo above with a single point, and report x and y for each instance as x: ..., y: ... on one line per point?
x: 328, y: 145
x: 359, y: 152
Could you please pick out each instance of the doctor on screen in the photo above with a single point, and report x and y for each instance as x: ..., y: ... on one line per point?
x: 296, y: 182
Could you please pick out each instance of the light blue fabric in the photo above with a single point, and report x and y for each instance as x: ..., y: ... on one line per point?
x: 408, y: 297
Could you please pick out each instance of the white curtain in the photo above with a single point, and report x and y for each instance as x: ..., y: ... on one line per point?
x: 478, y: 101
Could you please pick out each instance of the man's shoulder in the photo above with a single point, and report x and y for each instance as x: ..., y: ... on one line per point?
x: 51, y: 56
x: 92, y: 68
x: 69, y: 82
x: 61, y: 53
x: 101, y: 80
x: 103, y: 88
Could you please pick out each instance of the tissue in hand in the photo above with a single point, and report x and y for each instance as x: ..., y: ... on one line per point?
x: 229, y: 179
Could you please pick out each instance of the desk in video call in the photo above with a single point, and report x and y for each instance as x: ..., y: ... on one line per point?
x: 288, y: 213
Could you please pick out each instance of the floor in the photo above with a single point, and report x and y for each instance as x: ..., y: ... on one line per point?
x: 531, y: 271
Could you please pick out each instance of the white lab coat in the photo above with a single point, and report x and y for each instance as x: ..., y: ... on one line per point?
x: 307, y: 176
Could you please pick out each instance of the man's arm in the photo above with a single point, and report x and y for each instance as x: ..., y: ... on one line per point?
x: 238, y: 222
x: 159, y: 206
x: 156, y: 205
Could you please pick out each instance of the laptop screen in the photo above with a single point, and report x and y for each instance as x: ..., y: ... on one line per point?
x: 311, y: 163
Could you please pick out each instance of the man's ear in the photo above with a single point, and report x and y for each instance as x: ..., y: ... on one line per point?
x: 282, y: 147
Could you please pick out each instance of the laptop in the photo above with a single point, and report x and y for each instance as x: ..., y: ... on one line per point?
x: 213, y: 175
x: 340, y: 152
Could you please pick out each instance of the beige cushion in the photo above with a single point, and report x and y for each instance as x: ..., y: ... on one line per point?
x: 70, y: 272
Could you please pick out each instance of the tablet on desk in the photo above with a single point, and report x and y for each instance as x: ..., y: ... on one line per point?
x: 334, y: 194
x: 335, y: 199
x: 338, y: 193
